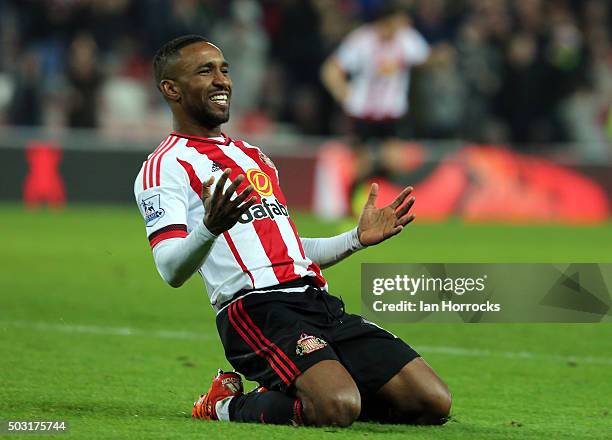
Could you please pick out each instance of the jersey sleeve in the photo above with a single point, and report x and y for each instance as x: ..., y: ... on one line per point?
x: 164, y: 206
x: 416, y: 49
x: 348, y: 54
x: 326, y: 252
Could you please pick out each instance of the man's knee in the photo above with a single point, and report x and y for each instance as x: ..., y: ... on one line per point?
x: 329, y: 395
x: 340, y: 409
x: 343, y: 410
x: 436, y: 406
x: 417, y: 395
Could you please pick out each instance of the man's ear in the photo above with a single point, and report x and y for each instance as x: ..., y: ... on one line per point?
x: 170, y: 90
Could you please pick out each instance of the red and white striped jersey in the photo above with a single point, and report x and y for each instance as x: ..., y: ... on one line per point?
x: 263, y: 249
x: 380, y: 71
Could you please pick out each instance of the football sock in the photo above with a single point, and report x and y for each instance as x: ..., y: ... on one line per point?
x: 271, y: 407
x: 222, y: 409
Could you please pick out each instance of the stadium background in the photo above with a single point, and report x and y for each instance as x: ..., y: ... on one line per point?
x: 516, y: 104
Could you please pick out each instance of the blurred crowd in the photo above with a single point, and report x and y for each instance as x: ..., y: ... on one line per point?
x: 521, y: 71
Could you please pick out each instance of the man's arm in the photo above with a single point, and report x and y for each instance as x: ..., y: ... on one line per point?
x: 416, y: 49
x: 375, y: 226
x: 328, y: 251
x: 177, y: 259
x: 334, y: 79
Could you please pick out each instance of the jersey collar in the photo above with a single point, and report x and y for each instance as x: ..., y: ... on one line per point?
x: 223, y: 139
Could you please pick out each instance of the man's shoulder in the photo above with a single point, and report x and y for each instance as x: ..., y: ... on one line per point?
x: 410, y: 34
x: 245, y: 144
x: 161, y: 163
x: 356, y: 47
x: 365, y: 31
x: 170, y: 146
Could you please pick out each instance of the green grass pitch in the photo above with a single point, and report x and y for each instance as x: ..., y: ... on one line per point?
x: 89, y: 333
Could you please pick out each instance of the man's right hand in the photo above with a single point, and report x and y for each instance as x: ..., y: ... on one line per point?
x: 223, y: 212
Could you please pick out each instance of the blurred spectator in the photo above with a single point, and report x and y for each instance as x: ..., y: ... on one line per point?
x: 587, y: 113
x: 479, y: 66
x: 432, y: 22
x: 26, y: 106
x: 245, y: 47
x: 520, y: 100
x: 298, y: 41
x: 442, y: 95
x: 529, y: 16
x: 526, y: 71
x: 84, y: 81
x: 128, y: 91
x: 99, y: 17
x: 368, y: 76
x: 192, y: 17
x: 298, y: 46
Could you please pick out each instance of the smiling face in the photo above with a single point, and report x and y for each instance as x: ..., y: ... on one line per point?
x: 198, y: 82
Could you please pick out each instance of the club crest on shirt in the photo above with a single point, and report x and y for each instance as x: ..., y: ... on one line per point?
x: 307, y: 344
x: 265, y: 159
x: 152, y: 210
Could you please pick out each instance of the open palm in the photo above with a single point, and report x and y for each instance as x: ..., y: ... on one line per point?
x: 378, y: 224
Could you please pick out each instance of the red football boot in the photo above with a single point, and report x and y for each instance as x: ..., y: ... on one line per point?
x: 223, y: 385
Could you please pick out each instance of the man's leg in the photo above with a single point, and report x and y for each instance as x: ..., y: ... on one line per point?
x: 328, y: 394
x: 396, y: 384
x: 415, y: 395
x: 325, y: 395
x: 265, y: 339
x: 271, y: 407
x: 225, y: 400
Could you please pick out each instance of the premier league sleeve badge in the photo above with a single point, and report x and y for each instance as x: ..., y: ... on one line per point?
x: 152, y: 210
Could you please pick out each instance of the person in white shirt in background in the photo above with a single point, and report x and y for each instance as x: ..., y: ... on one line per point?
x: 369, y: 76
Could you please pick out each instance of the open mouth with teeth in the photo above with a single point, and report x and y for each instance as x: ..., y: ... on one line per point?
x: 221, y: 99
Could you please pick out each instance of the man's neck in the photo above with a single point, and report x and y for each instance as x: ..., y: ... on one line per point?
x: 194, y: 129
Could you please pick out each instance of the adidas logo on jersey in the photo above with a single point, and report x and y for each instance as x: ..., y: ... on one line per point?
x: 216, y: 166
x: 263, y: 210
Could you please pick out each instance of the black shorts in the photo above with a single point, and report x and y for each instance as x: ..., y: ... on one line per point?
x: 365, y: 130
x: 272, y: 337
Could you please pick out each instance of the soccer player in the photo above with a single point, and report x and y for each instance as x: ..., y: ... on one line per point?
x: 369, y: 75
x: 213, y: 205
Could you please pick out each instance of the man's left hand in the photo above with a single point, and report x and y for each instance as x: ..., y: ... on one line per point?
x: 378, y: 224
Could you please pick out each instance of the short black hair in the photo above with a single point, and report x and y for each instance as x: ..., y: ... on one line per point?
x: 387, y: 10
x: 170, y: 50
